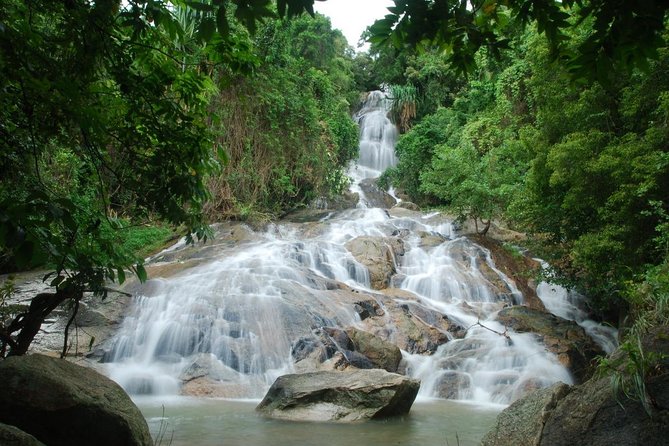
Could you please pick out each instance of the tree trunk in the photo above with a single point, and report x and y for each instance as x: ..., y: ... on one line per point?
x: 29, y: 323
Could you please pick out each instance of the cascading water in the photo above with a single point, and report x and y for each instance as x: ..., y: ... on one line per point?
x: 240, y: 318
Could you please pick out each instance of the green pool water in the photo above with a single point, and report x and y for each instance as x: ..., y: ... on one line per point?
x: 209, y: 422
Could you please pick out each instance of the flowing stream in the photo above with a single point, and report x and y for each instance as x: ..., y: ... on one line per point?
x: 240, y: 317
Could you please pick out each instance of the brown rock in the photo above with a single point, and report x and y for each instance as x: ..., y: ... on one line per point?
x: 379, y: 255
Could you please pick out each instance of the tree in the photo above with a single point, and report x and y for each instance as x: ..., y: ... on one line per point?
x: 624, y: 33
x: 104, y: 111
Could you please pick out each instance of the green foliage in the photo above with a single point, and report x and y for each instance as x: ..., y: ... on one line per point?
x: 287, y: 128
x: 416, y: 148
x: 622, y: 34
x: 404, y: 102
x: 145, y: 239
x: 649, y: 304
x: 105, y: 111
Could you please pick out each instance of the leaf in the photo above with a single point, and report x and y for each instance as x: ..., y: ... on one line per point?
x: 222, y: 155
x: 121, y: 275
x: 57, y: 280
x: 141, y: 272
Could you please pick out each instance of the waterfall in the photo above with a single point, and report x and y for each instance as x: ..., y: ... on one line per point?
x: 244, y: 314
x: 377, y: 141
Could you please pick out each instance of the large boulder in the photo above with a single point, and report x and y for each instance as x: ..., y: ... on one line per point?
x: 566, y: 339
x: 592, y: 413
x: 522, y: 423
x: 351, y: 395
x: 13, y: 436
x: 60, y: 403
x: 379, y: 255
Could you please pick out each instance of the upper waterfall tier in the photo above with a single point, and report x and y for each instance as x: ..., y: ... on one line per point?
x: 377, y: 136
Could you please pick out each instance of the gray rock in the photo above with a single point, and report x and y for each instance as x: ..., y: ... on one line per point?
x: 453, y: 385
x: 413, y: 327
x: 591, y: 413
x: 339, y: 396
x: 408, y: 205
x: 60, y: 403
x: 375, y: 196
x: 13, y: 436
x: 522, y: 423
x: 204, y: 364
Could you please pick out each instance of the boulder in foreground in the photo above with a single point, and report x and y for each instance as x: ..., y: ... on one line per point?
x: 592, y: 413
x: 13, y: 436
x: 339, y: 396
x: 60, y: 403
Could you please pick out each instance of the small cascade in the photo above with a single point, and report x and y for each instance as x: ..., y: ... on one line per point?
x: 568, y: 304
x: 257, y: 306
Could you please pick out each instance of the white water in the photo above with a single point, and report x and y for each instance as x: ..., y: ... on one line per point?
x: 377, y: 141
x: 568, y: 304
x: 247, y: 308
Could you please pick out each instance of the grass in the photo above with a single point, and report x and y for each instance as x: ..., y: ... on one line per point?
x: 147, y: 239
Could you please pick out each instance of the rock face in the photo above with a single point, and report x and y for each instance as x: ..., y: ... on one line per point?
x: 375, y: 196
x: 533, y: 410
x: 520, y: 268
x: 379, y: 255
x: 60, y: 403
x: 13, y: 436
x: 573, y: 347
x: 416, y: 328
x: 339, y: 396
x: 348, y: 348
x: 590, y: 414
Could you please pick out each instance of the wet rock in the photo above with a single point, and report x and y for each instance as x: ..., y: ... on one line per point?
x: 368, y: 308
x: 380, y: 353
x: 375, y: 196
x: 339, y: 396
x: 592, y: 413
x: 206, y: 387
x: 411, y: 326
x: 408, y: 205
x: 520, y: 268
x: 204, y: 364
x: 453, y: 385
x: 59, y: 403
x: 356, y: 348
x: 379, y: 255
x: 566, y: 339
x: 338, y: 338
x: 522, y: 423
x: 430, y: 239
